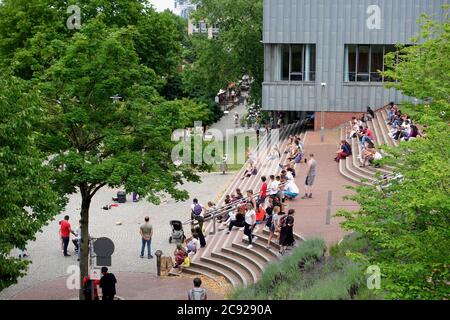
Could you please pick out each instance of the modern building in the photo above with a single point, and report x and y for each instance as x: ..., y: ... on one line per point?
x: 324, y: 55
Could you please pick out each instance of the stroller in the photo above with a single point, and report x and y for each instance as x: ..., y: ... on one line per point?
x: 177, y: 232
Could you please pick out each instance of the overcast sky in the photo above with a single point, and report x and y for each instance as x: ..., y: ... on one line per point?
x: 162, y: 5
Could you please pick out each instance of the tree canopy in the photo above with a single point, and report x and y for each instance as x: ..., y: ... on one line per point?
x: 28, y: 197
x: 236, y: 51
x: 407, y: 221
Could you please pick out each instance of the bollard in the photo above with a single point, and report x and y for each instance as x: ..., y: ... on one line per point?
x: 158, y: 255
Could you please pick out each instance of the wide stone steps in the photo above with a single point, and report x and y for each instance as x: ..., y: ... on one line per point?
x: 227, y: 255
x: 350, y: 167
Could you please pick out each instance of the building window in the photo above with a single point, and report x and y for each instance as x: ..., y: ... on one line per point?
x: 297, y: 62
x: 363, y: 62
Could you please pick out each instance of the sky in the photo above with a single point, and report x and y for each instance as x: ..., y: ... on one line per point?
x: 162, y: 5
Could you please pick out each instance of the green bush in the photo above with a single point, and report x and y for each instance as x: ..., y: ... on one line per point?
x: 340, y: 285
x: 332, y: 278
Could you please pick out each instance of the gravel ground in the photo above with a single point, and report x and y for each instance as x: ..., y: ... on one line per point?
x: 49, y: 263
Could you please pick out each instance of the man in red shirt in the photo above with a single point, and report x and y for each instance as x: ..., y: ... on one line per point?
x: 263, y: 191
x: 370, y: 134
x: 65, y: 231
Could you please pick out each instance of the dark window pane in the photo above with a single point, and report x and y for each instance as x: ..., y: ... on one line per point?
x: 363, y: 59
x: 297, y: 63
x: 285, y: 62
x: 352, y: 62
x: 388, y: 49
x: 376, y: 62
x: 312, y: 62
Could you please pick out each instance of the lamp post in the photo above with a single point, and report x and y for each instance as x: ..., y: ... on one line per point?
x: 116, y: 98
x: 323, y: 84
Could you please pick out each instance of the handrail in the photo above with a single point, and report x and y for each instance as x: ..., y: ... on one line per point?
x: 228, y: 207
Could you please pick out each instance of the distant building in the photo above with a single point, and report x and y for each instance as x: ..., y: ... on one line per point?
x: 184, y: 8
x: 324, y: 55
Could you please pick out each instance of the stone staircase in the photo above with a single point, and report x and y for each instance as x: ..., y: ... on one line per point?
x: 350, y: 168
x: 227, y: 255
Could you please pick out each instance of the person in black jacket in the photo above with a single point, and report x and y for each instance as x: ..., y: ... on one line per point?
x: 108, y: 285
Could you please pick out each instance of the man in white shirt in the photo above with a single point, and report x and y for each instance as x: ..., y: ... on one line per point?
x: 250, y: 221
x: 291, y: 190
x: 273, y: 187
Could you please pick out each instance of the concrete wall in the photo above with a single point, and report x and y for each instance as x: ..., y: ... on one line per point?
x: 330, y: 24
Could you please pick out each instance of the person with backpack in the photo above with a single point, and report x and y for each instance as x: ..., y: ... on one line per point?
x: 197, y: 293
x: 197, y: 213
x: 274, y: 218
x: 287, y: 231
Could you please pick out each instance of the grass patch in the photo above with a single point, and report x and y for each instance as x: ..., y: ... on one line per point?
x: 308, y: 275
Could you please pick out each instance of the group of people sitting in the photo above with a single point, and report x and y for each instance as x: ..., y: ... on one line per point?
x: 403, y: 127
x: 368, y: 153
x: 185, y: 251
x: 265, y: 210
x: 249, y: 213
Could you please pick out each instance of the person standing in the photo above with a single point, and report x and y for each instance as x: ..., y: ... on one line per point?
x: 201, y: 237
x: 65, y: 231
x: 197, y: 212
x: 310, y: 176
x: 250, y: 221
x: 262, y: 191
x: 146, y: 231
x: 108, y: 285
x: 197, y: 293
x: 287, y: 231
x: 78, y: 240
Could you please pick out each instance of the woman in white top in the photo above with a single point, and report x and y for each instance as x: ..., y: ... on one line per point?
x: 250, y: 221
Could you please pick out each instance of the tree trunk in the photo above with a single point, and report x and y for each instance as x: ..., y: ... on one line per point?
x: 84, y: 247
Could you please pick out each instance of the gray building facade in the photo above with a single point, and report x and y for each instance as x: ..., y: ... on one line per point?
x: 324, y: 55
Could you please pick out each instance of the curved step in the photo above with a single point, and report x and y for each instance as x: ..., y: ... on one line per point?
x: 254, y: 262
x: 239, y: 263
x: 205, y: 266
x: 240, y: 279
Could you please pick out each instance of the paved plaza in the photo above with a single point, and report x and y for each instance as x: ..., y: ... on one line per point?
x: 48, y: 262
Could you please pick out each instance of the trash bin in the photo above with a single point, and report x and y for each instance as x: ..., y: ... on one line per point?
x: 121, y: 196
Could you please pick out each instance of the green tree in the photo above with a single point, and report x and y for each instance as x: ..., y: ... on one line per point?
x: 28, y: 200
x: 100, y: 143
x: 407, y: 221
x: 237, y: 50
x: 33, y: 33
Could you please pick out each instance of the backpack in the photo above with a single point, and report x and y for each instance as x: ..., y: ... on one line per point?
x: 283, y: 221
x: 197, y: 209
x: 197, y: 294
x: 254, y: 172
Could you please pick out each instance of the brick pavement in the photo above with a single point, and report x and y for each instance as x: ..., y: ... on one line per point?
x: 48, y: 263
x: 311, y: 214
x: 130, y: 286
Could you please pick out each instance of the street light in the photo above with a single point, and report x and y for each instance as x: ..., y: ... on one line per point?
x: 116, y: 98
x: 323, y: 84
